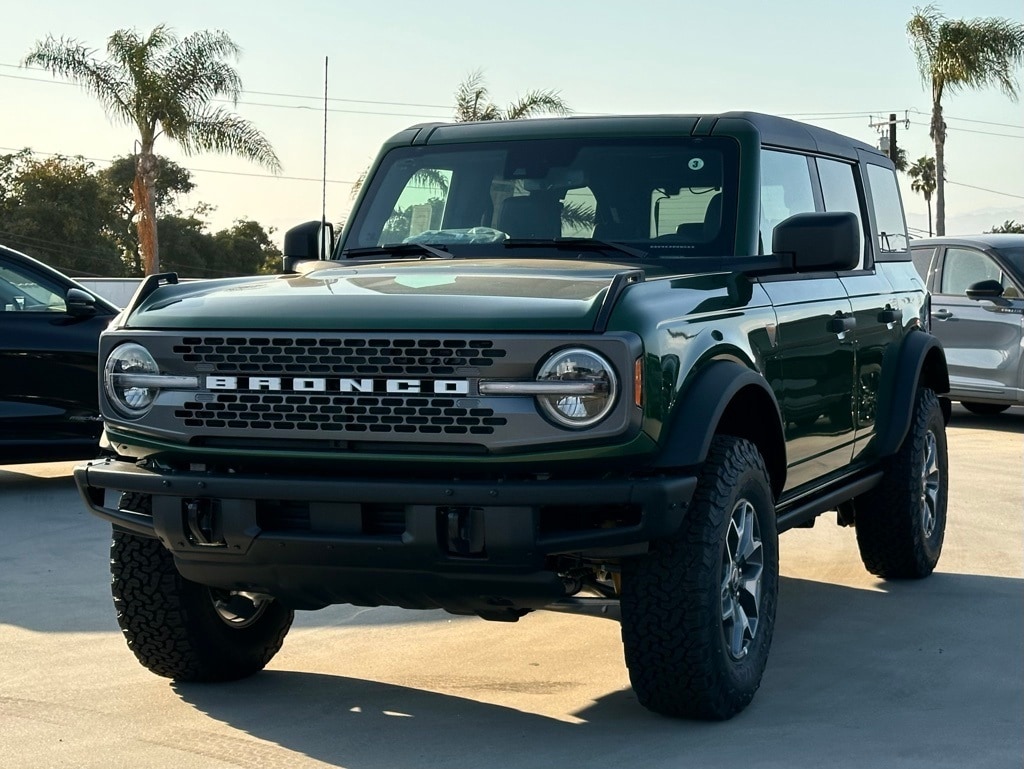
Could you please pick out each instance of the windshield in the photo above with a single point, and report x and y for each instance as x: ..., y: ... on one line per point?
x: 664, y: 196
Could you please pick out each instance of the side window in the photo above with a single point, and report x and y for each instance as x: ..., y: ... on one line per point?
x: 21, y: 292
x: 420, y: 206
x: 885, y: 200
x: 785, y: 190
x: 922, y: 261
x: 964, y: 266
x: 839, y: 191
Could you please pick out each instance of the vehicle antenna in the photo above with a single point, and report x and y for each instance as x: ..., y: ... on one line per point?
x: 323, y: 210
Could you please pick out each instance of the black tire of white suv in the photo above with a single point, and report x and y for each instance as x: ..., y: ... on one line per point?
x: 901, y: 522
x: 186, y: 631
x: 698, y: 611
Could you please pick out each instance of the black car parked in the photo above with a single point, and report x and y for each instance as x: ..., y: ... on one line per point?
x: 49, y: 328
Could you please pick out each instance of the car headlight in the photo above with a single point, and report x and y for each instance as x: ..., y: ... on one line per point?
x: 587, y: 387
x: 130, y: 376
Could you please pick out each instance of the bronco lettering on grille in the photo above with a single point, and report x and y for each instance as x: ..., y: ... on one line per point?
x: 336, y: 384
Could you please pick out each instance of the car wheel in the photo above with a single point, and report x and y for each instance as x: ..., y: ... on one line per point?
x: 984, y: 409
x: 186, y: 631
x: 698, y: 611
x: 901, y: 522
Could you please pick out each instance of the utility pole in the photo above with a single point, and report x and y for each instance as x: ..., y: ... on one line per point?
x: 887, y: 143
x: 892, y: 137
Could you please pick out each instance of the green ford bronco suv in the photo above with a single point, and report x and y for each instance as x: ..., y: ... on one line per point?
x: 581, y: 364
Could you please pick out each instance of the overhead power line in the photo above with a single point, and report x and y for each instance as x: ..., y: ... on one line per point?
x: 451, y: 107
x: 107, y: 161
x: 971, y: 130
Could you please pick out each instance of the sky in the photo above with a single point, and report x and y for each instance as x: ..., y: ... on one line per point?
x: 395, y: 63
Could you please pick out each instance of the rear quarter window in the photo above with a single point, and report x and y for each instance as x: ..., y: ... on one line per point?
x: 888, y: 210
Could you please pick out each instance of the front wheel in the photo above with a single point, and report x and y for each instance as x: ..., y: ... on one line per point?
x: 698, y: 611
x: 901, y: 523
x: 186, y: 631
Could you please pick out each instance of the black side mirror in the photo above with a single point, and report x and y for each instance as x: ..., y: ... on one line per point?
x: 985, y: 289
x: 309, y: 240
x: 819, y: 241
x: 80, y: 303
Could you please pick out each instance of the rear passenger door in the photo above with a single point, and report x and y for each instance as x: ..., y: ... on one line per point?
x: 814, y: 380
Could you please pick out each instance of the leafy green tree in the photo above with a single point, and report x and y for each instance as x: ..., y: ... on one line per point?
x: 119, y: 178
x: 58, y: 211
x: 922, y: 180
x: 246, y: 248
x: 955, y: 54
x: 161, y: 85
x: 188, y: 248
x: 1010, y: 225
x: 192, y: 252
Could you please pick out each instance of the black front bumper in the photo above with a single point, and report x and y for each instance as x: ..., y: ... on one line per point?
x: 465, y: 546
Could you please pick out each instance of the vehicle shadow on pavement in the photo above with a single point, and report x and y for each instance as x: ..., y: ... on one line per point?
x: 1011, y: 421
x: 901, y: 675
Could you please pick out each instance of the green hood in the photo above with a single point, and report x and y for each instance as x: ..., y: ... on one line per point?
x: 457, y: 295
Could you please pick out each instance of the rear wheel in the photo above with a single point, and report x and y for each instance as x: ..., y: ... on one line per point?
x: 901, y: 523
x: 984, y: 409
x: 186, y: 631
x: 698, y: 611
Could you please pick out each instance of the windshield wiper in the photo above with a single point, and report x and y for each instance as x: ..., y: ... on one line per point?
x: 398, y: 249
x: 593, y: 244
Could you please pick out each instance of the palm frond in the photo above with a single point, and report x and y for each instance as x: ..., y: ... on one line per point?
x: 219, y: 130
x: 70, y: 59
x: 578, y: 216
x: 535, y: 103
x: 195, y: 71
x: 472, y: 99
x: 923, y: 31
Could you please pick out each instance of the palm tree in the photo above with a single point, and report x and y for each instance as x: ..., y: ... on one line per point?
x: 922, y: 179
x: 473, y: 102
x: 953, y: 54
x: 161, y: 85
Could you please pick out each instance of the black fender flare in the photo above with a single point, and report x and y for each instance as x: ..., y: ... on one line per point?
x: 704, y: 405
x: 920, y: 360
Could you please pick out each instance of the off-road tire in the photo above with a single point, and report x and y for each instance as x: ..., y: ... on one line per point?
x: 674, y: 626
x: 901, y: 522
x: 171, y: 624
x: 984, y: 409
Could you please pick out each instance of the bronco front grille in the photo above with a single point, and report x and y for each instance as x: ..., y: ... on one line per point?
x: 337, y: 356
x: 359, y: 391
x: 327, y: 412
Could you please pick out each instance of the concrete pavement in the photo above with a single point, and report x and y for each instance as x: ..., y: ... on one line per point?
x: 862, y: 673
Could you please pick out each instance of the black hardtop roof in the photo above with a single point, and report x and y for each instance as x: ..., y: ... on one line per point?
x: 774, y: 131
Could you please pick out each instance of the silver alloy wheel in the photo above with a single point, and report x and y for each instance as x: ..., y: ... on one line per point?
x: 930, y: 481
x: 239, y: 609
x: 742, y: 568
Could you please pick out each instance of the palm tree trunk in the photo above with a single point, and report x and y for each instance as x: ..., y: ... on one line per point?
x: 938, y: 132
x: 928, y: 200
x: 146, y: 167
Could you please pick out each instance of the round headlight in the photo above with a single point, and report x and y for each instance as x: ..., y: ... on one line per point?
x: 590, y: 387
x: 124, y: 379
